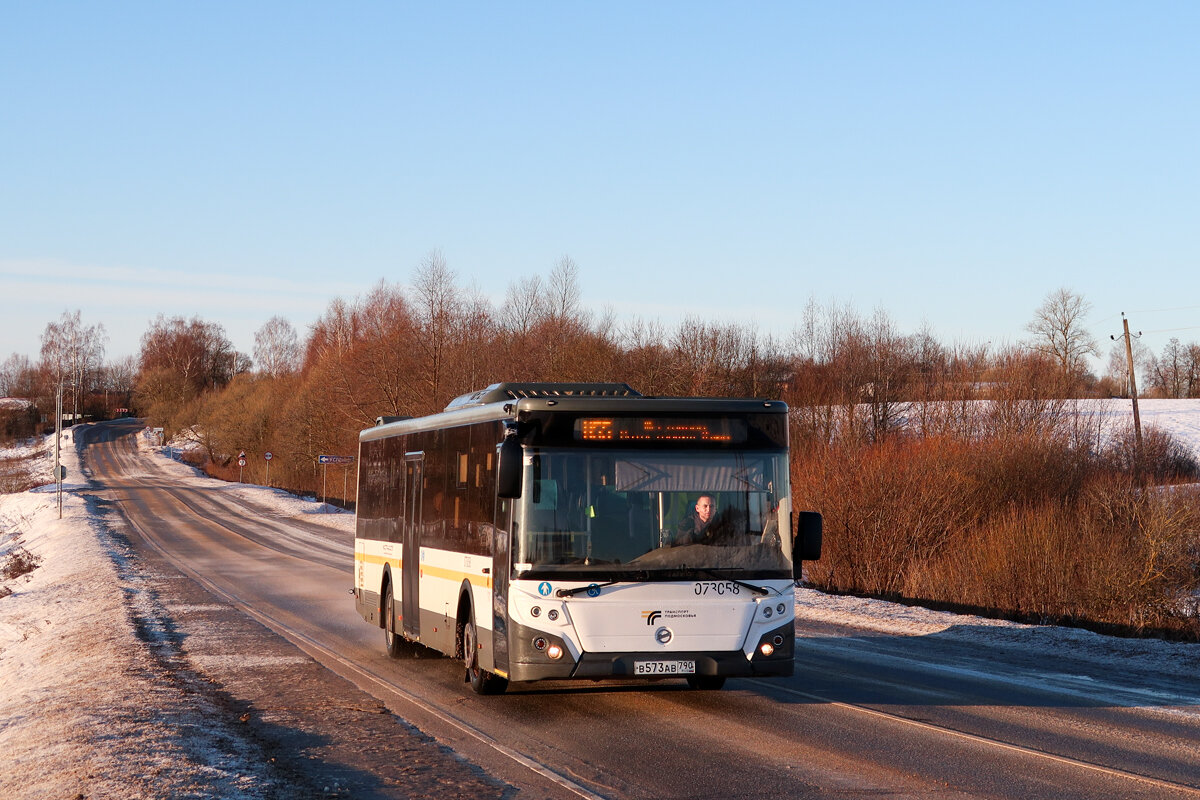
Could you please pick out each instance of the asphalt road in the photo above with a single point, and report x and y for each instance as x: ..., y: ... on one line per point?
x: 865, y: 716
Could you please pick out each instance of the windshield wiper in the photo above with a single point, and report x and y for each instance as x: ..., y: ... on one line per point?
x: 714, y: 572
x: 634, y: 577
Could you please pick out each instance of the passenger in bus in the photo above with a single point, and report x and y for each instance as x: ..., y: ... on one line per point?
x: 695, y: 526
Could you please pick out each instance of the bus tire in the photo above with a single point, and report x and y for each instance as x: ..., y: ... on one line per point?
x: 392, y: 641
x: 708, y: 683
x: 482, y: 681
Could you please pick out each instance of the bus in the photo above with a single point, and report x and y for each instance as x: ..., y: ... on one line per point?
x: 551, y: 531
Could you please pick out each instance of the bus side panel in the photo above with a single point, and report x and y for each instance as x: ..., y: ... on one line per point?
x: 371, y: 560
x: 380, y: 502
x: 366, y: 601
x: 442, y: 575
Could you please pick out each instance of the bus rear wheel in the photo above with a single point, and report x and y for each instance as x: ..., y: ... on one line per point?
x: 482, y: 681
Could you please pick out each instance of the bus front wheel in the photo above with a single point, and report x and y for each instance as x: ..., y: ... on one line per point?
x: 393, y: 641
x: 482, y: 681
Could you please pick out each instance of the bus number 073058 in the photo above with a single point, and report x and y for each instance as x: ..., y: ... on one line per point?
x: 717, y: 587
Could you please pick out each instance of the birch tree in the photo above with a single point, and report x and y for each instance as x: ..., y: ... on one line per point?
x: 72, y: 353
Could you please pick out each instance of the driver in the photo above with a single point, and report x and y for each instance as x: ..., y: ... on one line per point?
x: 695, y: 526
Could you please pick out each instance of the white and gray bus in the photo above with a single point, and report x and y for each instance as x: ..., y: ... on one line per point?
x: 583, y: 531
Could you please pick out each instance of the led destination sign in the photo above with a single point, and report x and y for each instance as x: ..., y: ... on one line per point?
x: 718, y: 430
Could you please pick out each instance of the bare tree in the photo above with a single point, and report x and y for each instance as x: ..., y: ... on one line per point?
x: 277, y: 348
x: 331, y: 335
x: 562, y: 291
x: 1058, y: 332
x: 180, y: 359
x: 644, y: 356
x: 1176, y: 372
x: 437, y: 311
x: 119, y: 379
x: 1118, y: 364
x: 17, y: 377
x: 1193, y: 370
x: 524, y: 306
x: 72, y: 353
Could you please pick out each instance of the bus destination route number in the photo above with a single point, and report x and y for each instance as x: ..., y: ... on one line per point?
x: 664, y: 667
x: 719, y: 588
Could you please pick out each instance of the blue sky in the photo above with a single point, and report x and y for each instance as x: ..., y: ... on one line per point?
x: 950, y: 163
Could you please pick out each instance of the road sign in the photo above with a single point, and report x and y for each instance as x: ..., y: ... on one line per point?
x: 268, y: 455
x: 242, y: 461
x: 335, y: 459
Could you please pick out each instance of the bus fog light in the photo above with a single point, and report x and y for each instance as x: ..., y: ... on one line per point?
x: 767, y: 649
x: 539, y: 643
x: 554, y: 651
x: 778, y: 640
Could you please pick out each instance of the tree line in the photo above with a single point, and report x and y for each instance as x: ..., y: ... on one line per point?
x: 407, y: 351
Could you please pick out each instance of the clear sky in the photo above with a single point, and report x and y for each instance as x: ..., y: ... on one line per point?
x: 949, y: 162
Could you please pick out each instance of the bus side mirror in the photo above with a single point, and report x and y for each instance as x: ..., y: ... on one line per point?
x: 809, y: 527
x: 508, y: 472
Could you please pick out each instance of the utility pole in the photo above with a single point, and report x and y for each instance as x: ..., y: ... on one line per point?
x: 58, y: 477
x: 1137, y: 419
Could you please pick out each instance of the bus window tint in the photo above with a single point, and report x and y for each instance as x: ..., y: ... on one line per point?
x: 623, y: 511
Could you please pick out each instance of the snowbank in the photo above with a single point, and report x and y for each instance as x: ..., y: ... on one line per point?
x: 84, y: 708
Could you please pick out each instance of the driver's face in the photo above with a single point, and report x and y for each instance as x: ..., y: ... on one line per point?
x: 704, y: 509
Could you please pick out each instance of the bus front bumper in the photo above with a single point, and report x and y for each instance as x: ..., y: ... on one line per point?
x: 529, y: 664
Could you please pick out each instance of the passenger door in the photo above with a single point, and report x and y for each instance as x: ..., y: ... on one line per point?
x: 414, y: 468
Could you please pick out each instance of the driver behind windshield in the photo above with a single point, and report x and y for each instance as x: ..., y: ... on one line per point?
x: 697, y: 525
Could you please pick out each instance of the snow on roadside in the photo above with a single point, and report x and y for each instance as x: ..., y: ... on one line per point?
x: 275, y: 502
x: 1176, y: 659
x: 85, y: 710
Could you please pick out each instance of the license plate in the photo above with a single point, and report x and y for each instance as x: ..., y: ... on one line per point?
x: 664, y: 667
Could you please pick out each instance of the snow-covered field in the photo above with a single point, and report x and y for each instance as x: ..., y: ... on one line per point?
x: 81, y: 710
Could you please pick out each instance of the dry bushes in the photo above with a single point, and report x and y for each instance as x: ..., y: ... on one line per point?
x: 18, y: 562
x: 1035, y: 527
x: 15, y: 476
x: 1164, y: 460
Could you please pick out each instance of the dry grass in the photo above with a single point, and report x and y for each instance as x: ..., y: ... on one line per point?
x: 1028, y: 525
x: 15, y: 476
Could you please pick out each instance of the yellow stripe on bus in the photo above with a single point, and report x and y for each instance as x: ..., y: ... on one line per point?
x: 454, y: 575
x: 370, y: 559
x: 484, y: 581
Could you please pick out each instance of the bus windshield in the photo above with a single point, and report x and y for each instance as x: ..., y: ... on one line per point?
x: 589, y: 514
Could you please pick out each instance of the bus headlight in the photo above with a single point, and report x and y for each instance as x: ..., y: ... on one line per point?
x: 554, y: 651
x: 767, y: 649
